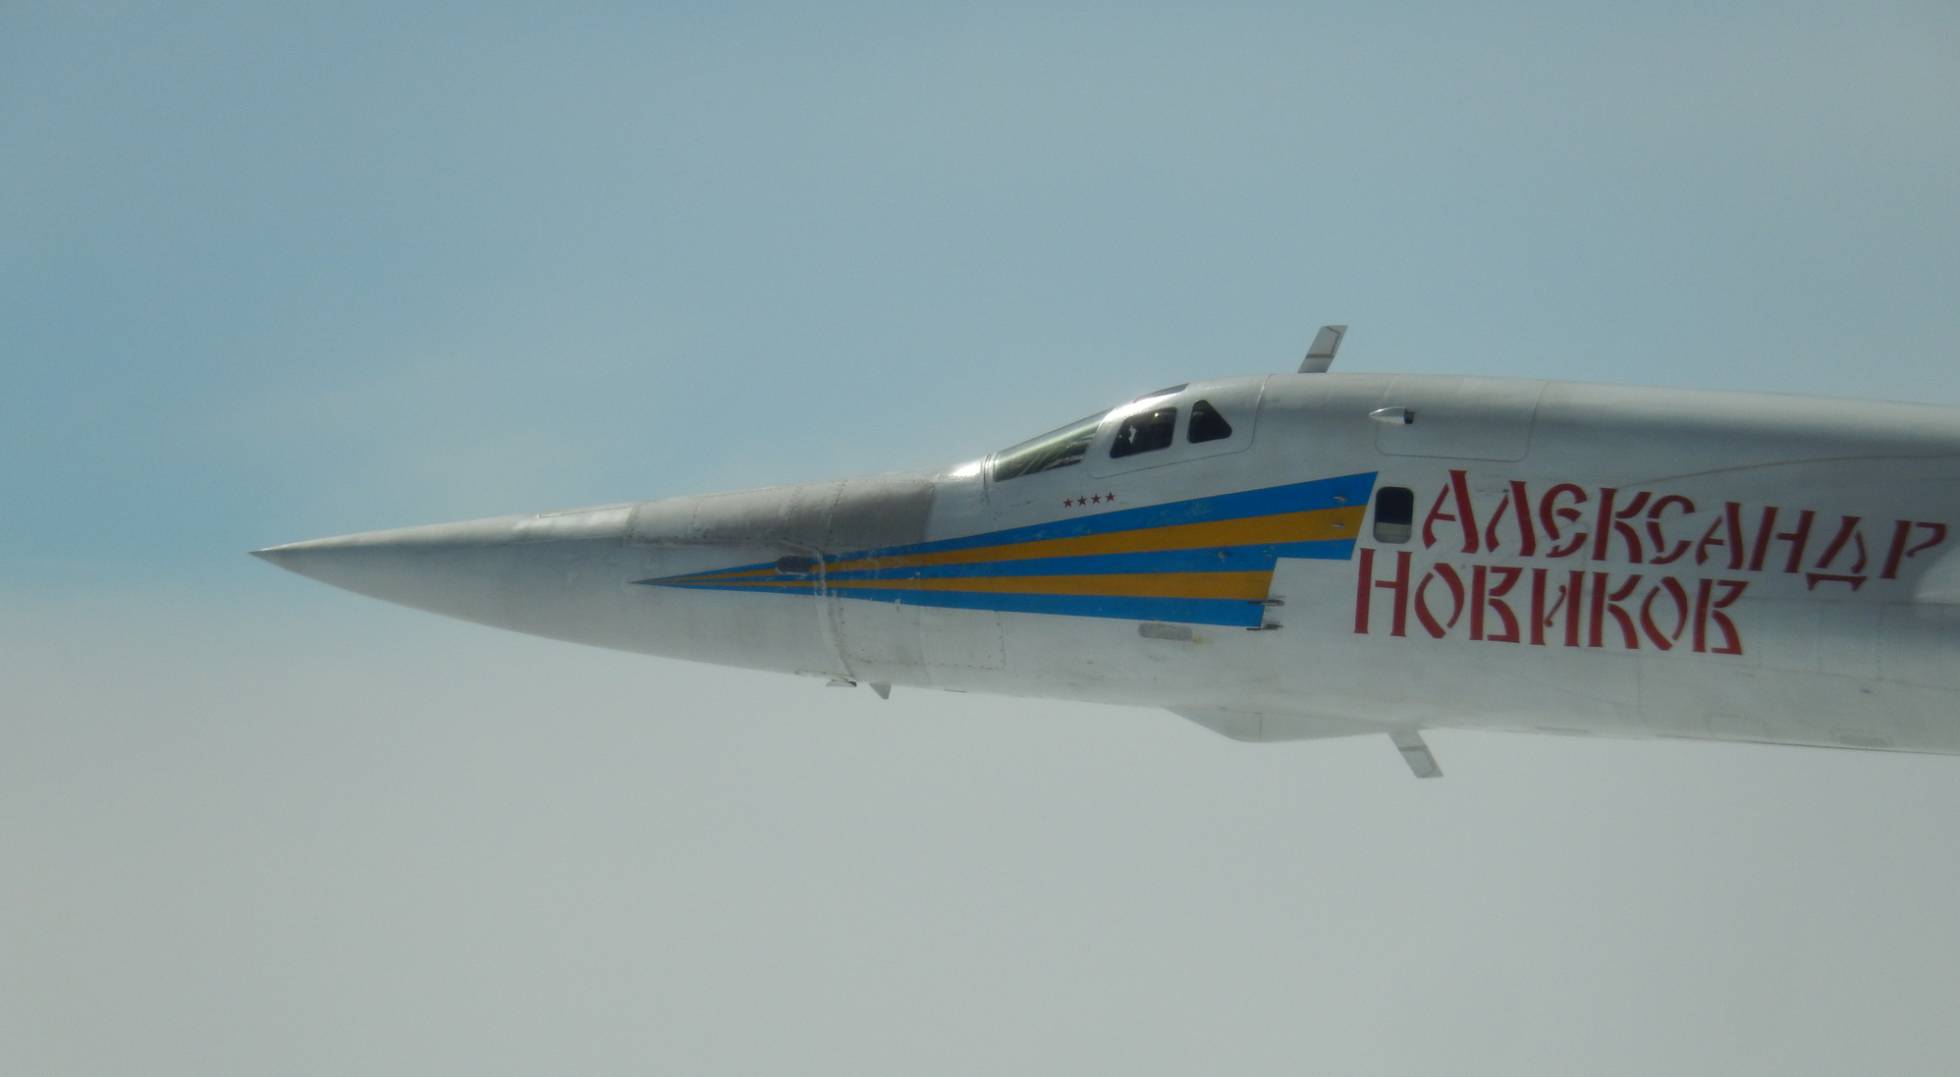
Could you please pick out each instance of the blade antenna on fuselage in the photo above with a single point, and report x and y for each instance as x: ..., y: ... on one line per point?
x: 1320, y: 354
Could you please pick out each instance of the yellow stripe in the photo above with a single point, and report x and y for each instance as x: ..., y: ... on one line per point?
x: 1249, y: 586
x: 1313, y: 526
x: 1253, y: 531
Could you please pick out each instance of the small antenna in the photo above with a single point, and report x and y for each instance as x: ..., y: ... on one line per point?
x: 1320, y: 354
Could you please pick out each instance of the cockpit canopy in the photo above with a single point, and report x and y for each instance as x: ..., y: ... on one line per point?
x: 1057, y: 448
x: 1218, y: 415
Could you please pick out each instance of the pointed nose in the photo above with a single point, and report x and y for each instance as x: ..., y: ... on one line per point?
x: 509, y: 571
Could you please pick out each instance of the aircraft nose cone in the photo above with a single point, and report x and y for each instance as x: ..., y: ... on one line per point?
x: 363, y: 561
x: 275, y: 555
x: 506, y: 571
x: 328, y: 559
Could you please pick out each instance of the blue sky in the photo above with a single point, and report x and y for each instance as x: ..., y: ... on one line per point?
x: 272, y: 272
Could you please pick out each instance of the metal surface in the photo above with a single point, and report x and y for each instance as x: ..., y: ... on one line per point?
x: 1621, y: 562
x: 1320, y: 354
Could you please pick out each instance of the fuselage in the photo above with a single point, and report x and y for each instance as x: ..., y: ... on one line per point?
x: 1306, y: 555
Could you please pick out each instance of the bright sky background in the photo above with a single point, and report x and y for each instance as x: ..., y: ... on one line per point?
x: 271, y: 272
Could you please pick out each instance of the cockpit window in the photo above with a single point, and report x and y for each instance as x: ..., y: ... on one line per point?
x: 1144, y: 431
x: 1207, y: 424
x: 1057, y: 448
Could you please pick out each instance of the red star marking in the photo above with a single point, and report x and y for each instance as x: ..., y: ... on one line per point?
x: 1066, y: 503
x: 1097, y: 499
x: 1109, y: 497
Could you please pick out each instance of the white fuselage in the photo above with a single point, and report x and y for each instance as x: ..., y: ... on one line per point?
x: 1338, y: 554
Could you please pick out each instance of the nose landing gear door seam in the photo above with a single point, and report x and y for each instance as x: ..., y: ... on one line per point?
x: 882, y: 629
x: 875, y: 639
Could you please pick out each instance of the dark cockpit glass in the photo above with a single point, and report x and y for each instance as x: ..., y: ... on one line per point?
x: 1207, y: 424
x: 1141, y: 431
x: 1145, y: 431
x: 1057, y: 448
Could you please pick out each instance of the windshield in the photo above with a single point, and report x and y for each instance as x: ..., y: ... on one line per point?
x: 1057, y: 448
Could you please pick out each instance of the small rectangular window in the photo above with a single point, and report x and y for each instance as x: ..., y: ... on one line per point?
x: 1207, y: 424
x: 1395, y: 513
x: 1145, y: 431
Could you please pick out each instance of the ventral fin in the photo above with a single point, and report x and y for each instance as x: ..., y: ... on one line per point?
x: 1415, y: 752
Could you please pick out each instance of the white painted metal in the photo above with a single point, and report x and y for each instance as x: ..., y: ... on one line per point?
x: 1320, y: 354
x: 1415, y: 752
x: 1734, y: 567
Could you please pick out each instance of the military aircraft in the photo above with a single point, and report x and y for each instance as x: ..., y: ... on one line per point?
x: 1306, y: 555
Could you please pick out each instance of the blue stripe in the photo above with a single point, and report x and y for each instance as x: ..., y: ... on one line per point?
x: 1297, y: 497
x: 1347, y: 490
x: 1201, y: 611
x: 1197, y: 611
x: 1340, y: 492
x: 1213, y: 559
